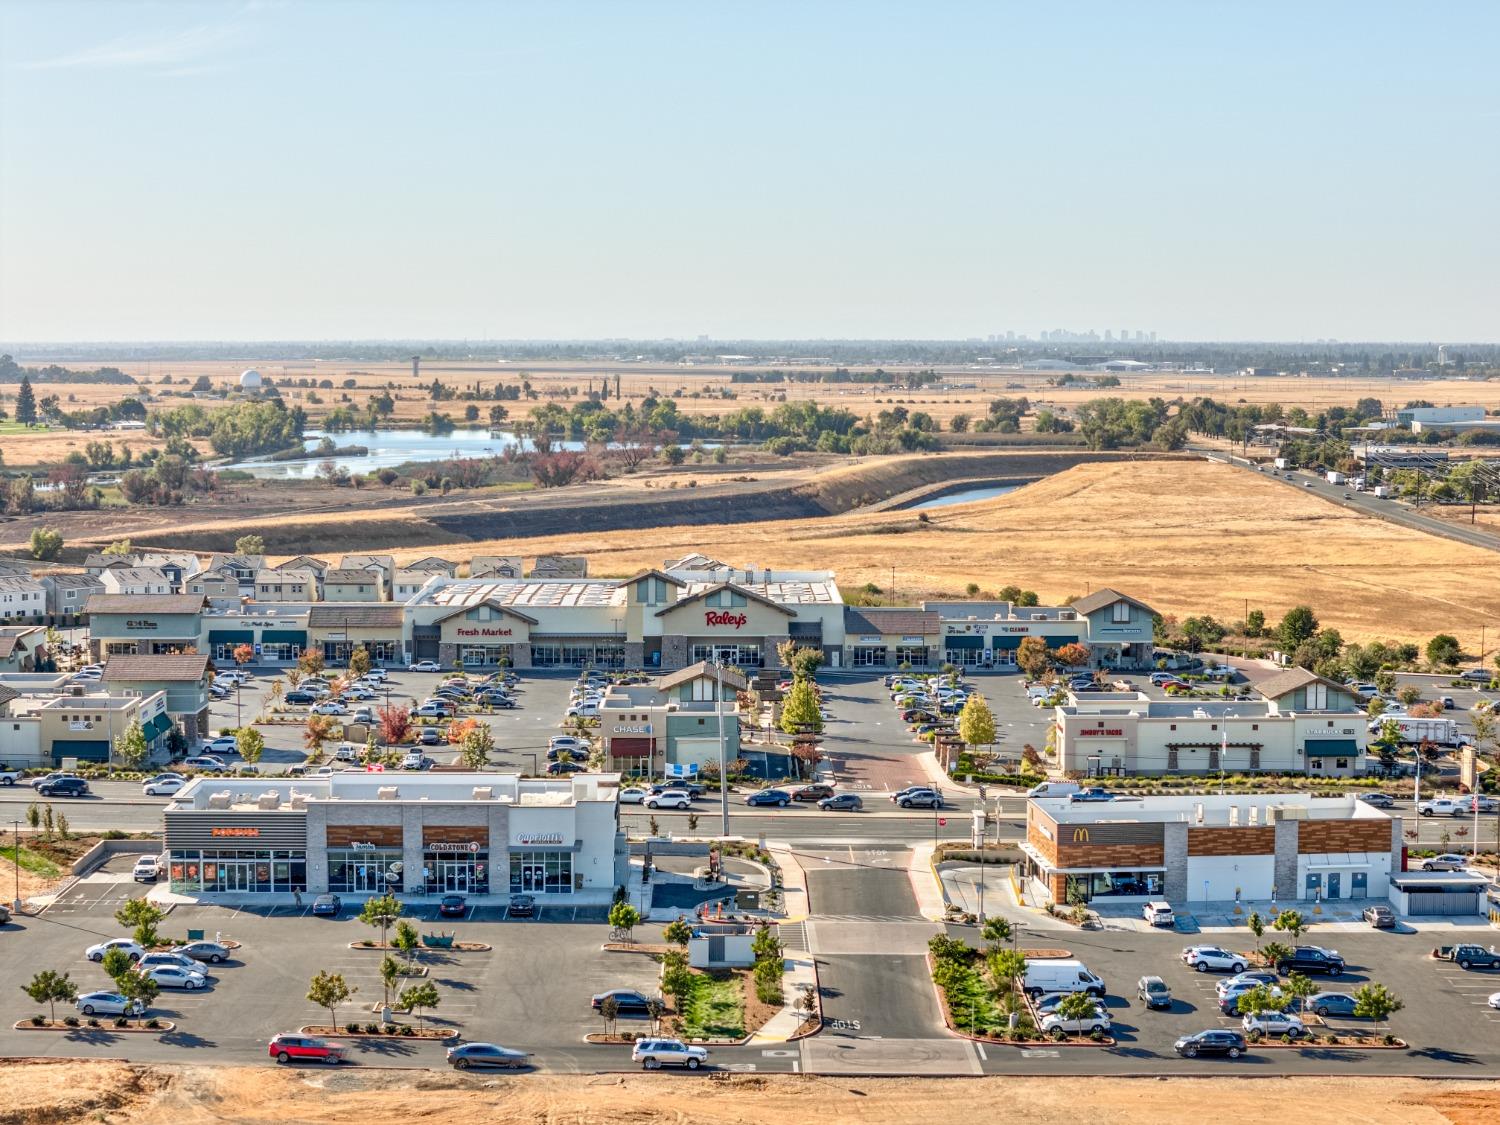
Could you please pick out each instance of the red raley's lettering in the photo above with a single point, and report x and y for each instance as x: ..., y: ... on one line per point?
x: 736, y: 619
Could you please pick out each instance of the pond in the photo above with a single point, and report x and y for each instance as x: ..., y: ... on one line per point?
x: 967, y: 496
x: 389, y: 448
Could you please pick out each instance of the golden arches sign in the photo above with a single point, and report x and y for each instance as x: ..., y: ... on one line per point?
x: 1080, y: 835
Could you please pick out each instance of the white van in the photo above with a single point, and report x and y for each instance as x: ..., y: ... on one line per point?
x: 1061, y: 976
x: 1054, y: 789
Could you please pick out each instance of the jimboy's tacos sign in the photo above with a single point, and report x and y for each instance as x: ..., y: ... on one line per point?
x: 737, y: 620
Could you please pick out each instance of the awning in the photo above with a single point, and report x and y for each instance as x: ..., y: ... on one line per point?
x: 963, y: 640
x: 284, y: 637
x: 1332, y: 748
x: 1058, y: 642
x: 90, y: 750
x: 630, y: 747
x: 231, y: 637
x: 1007, y: 642
x: 156, y: 726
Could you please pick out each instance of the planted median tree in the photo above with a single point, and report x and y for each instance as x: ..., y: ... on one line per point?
x: 390, y: 976
x: 139, y: 986
x: 1257, y: 926
x: 48, y: 987
x: 1031, y: 656
x: 1006, y: 967
x: 1254, y: 1001
x: 976, y: 722
x: 677, y: 979
x: 381, y: 912
x: 677, y: 932
x: 117, y: 964
x: 1291, y: 922
x: 609, y: 1011
x: 1076, y: 1006
x: 250, y: 744
x: 359, y: 661
x: 1375, y: 1002
x: 997, y: 930
x: 623, y: 916
x: 406, y: 939
x: 476, y: 746
x: 1298, y: 987
x: 329, y: 990
x: 143, y: 917
x: 800, y: 712
x: 418, y: 997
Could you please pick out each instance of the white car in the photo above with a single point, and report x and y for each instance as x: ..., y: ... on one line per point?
x: 1055, y: 1025
x: 174, y: 976
x: 655, y: 1053
x: 162, y: 786
x: 632, y: 795
x: 97, y: 952
x: 332, y: 707
x: 224, y: 744
x: 1494, y: 1000
x: 584, y: 711
x: 1206, y: 957
x: 375, y: 676
x: 567, y: 742
x: 359, y: 694
x: 432, y: 711
x: 670, y: 799
x: 1275, y: 1023
x: 147, y: 869
x: 108, y: 1004
x: 414, y: 760
x: 425, y: 666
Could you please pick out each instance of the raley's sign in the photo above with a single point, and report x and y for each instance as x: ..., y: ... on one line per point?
x: 1112, y: 732
x: 737, y: 620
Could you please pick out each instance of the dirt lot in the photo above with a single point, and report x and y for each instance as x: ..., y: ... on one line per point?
x: 35, y: 1091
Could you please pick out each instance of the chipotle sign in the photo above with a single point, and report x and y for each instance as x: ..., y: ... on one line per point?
x: 735, y: 620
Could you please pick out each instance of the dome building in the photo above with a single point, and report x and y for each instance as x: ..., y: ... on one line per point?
x: 250, y: 381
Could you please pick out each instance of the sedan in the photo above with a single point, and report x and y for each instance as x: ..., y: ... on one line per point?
x: 178, y: 960
x: 206, y: 762
x: 1242, y: 981
x: 1206, y: 957
x: 920, y: 798
x: 630, y: 1001
x: 425, y: 666
x: 1230, y: 1043
x: 97, y: 952
x: 778, y: 797
x: 632, y: 795
x: 328, y: 905
x: 332, y: 707
x: 842, y: 802
x: 359, y: 694
x: 299, y: 1048
x: 174, y: 976
x: 671, y: 799
x: 299, y: 698
x: 1329, y: 1004
x: 490, y: 699
x: 521, y: 906
x: 162, y: 786
x: 1275, y: 1023
x: 453, y: 906
x: 1380, y: 917
x: 1446, y: 862
x: 571, y: 767
x: 467, y: 1055
x: 814, y: 792
x: 211, y: 951
x: 1378, y: 800
x: 108, y: 1004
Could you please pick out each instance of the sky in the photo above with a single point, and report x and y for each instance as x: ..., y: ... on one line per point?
x: 363, y: 170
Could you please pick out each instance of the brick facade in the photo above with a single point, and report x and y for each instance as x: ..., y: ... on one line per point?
x: 1231, y: 841
x: 1318, y: 836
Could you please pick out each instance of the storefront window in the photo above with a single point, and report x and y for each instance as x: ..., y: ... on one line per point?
x: 915, y: 655
x: 541, y: 872
x: 446, y: 871
x: 737, y: 656
x: 545, y: 656
x: 869, y: 656
x: 1120, y: 884
x: 965, y: 657
x: 232, y: 872
x: 365, y: 869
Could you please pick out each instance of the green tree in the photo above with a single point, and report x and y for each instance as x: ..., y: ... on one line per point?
x: 1257, y: 926
x: 359, y: 661
x: 250, y: 545
x: 1006, y: 966
x: 766, y: 946
x: 1255, y: 623
x: 1444, y: 649
x: 143, y: 917
x: 1375, y: 1001
x: 1032, y: 658
x: 673, y: 454
x: 138, y: 986
x: 1259, y: 999
x: 381, y: 912
x: 1076, y: 1006
x: 677, y: 932
x: 478, y: 742
x: 1385, y: 681
x: 406, y: 940
x: 800, y: 711
x: 997, y: 930
x: 131, y: 747
x: 46, y: 544
x: 623, y: 916
x: 1275, y: 952
x: 329, y: 990
x: 609, y: 1011
x: 25, y: 403
x: 976, y: 722
x: 1298, y: 987
x: 250, y: 743
x: 420, y: 997
x: 117, y: 964
x: 1291, y: 922
x: 1409, y: 695
x: 390, y: 975
x: 1299, y: 624
x: 677, y: 979
x: 48, y: 987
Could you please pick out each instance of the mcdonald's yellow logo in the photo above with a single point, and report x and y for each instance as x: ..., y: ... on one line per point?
x: 1080, y: 835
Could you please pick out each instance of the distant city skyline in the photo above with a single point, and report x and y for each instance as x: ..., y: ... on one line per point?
x: 650, y: 170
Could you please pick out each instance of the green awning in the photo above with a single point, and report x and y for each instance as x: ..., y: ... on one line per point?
x: 964, y: 640
x: 1058, y: 642
x: 1000, y: 644
x: 284, y: 637
x: 231, y: 637
x: 156, y: 726
x: 90, y: 750
x: 1332, y: 747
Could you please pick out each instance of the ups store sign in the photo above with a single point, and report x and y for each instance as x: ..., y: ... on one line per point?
x: 1107, y: 834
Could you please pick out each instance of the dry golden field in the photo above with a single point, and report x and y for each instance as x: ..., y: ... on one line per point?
x: 1186, y: 537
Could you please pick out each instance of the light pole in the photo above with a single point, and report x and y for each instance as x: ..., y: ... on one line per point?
x: 979, y: 886
x: 723, y: 765
x: 17, y: 901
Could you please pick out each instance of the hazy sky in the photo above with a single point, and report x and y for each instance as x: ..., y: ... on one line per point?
x: 354, y: 169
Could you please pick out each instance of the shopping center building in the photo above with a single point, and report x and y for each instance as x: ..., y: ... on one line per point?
x: 480, y: 834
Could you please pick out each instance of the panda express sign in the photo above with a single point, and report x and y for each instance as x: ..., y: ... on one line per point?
x: 734, y: 620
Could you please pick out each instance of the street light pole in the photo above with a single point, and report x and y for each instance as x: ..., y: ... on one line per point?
x: 17, y: 902
x: 723, y: 765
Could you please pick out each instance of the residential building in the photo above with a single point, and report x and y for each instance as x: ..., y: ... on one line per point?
x: 496, y: 566
x: 408, y: 583
x: 560, y: 566
x: 21, y: 598
x: 243, y: 567
x: 183, y: 679
x: 220, y: 586
x: 136, y: 580
x: 434, y: 565
x: 21, y: 646
x: 386, y: 564
x: 283, y: 585
x: 67, y: 594
x: 352, y: 584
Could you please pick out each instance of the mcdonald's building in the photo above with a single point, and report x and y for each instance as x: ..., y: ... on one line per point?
x: 1282, y: 846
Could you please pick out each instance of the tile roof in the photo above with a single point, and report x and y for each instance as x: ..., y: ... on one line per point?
x: 1103, y: 597
x: 913, y: 622
x: 145, y: 603
x: 129, y: 669
x: 359, y: 614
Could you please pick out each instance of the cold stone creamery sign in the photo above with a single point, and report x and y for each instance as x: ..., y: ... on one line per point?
x: 737, y: 620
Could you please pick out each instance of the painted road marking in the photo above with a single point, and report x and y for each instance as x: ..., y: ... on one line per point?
x: 980, y: 1048
x: 740, y: 1067
x: 1041, y: 1054
x: 781, y: 1054
x: 844, y: 1025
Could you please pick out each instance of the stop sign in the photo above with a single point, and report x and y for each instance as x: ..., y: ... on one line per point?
x: 942, y: 822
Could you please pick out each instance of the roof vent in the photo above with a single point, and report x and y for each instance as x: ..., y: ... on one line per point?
x: 483, y: 793
x: 298, y: 800
x: 219, y: 800
x: 271, y: 800
x: 386, y: 793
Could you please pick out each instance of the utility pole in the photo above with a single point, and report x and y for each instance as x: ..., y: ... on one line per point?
x: 17, y: 901
x: 723, y: 765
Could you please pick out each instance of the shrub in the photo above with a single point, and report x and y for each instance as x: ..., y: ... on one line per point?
x: 93, y: 1021
x: 407, y: 1030
x: 71, y: 1021
x: 38, y: 1020
x: 153, y: 1023
x: 121, y: 1021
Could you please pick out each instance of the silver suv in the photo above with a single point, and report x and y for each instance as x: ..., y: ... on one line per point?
x: 656, y: 1053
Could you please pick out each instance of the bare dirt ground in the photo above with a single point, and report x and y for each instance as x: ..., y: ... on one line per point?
x: 35, y: 1091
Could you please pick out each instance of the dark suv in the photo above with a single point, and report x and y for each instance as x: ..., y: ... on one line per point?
x: 63, y: 787
x: 1312, y: 959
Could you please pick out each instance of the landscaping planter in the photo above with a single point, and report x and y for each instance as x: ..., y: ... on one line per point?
x: 1338, y: 1042
x: 163, y: 1026
x: 414, y: 1032
x: 456, y: 947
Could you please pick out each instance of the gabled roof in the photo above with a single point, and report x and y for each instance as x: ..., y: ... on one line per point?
x: 895, y: 619
x: 1284, y: 683
x: 699, y: 670
x: 363, y: 615
x: 176, y: 669
x: 352, y: 576
x: 241, y: 562
x: 1104, y: 597
x: 360, y: 562
x: 145, y: 603
x: 750, y: 595
x: 435, y: 564
x: 99, y: 558
x: 7, y: 694
x: 654, y: 573
x: 304, y: 562
x: 75, y: 581
x: 505, y: 609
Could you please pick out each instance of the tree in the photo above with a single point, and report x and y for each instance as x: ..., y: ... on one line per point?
x: 976, y: 722
x: 382, y: 912
x: 1444, y: 649
x: 1006, y: 967
x: 250, y: 545
x: 1298, y: 987
x: 623, y: 916
x: 1255, y: 623
x: 25, y: 403
x: 997, y: 930
x: 406, y: 939
x: 1409, y: 695
x: 1259, y: 999
x: 243, y: 654
x: 677, y: 932
x: 250, y: 744
x: 143, y: 917
x: 1073, y: 655
x: 359, y: 661
x: 311, y: 662
x: 131, y: 747
x: 1032, y: 657
x: 1257, y: 926
x: 46, y: 544
x: 1375, y: 1001
x: 1385, y: 681
x: 1291, y: 922
x: 655, y: 1009
x: 677, y: 979
x: 609, y: 1011
x: 48, y: 987
x: 138, y: 986
x: 800, y: 710
x: 117, y: 964
x: 329, y: 990
x: 390, y: 975
x: 395, y: 725
x: 1076, y: 1006
x: 766, y: 946
x: 318, y: 730
x: 476, y: 746
x: 1297, y: 625
x: 1275, y: 952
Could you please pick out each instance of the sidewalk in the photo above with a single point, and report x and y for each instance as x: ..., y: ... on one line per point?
x: 795, y: 906
x: 1220, y: 917
x: 926, y: 885
x: 797, y: 971
x: 958, y: 886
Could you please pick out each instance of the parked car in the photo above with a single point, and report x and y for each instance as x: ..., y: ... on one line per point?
x: 205, y: 762
x: 174, y: 976
x: 495, y: 699
x: 1240, y: 982
x: 299, y: 698
x: 431, y: 736
x: 1060, y: 1027
x: 453, y: 906
x: 1329, y: 1004
x: 1312, y: 959
x: 331, y: 707
x: 224, y: 744
x: 327, y: 905
x: 1378, y: 800
x: 306, y: 1048
x: 631, y: 1002
x: 1159, y: 914
x: 413, y: 760
x: 922, y: 798
x: 842, y: 802
x: 670, y: 799
x: 1229, y: 1003
x: 814, y: 792
x: 778, y: 797
x: 1205, y: 957
x: 556, y: 768
x: 1444, y: 806
x: 1213, y: 1042
x: 1448, y: 861
x: 691, y: 788
x: 215, y: 953
x: 1095, y: 794
x: 1153, y: 992
x: 655, y: 1053
x: 632, y: 795
x: 1468, y: 956
x: 108, y: 1004
x: 492, y: 1055
x: 1274, y: 1023
x: 173, y: 959
x: 425, y: 666
x: 147, y: 869
x: 521, y: 906
x: 1380, y: 917
x: 567, y: 742
x: 64, y: 787
x: 131, y: 948
x: 1477, y: 675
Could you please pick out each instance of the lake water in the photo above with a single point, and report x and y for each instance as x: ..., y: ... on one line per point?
x: 967, y: 496
x: 389, y: 448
